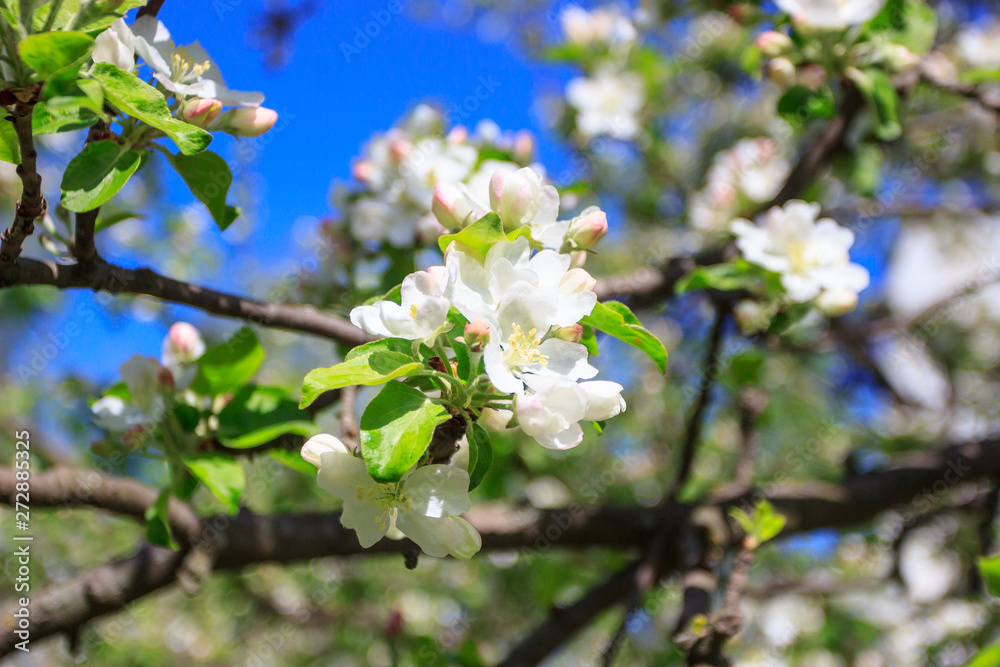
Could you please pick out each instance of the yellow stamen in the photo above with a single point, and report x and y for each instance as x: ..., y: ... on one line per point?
x: 522, y: 349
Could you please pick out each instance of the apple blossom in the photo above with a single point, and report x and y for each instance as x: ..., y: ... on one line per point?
x: 551, y: 410
x: 450, y: 206
x: 185, y: 70
x: 831, y: 14
x: 143, y: 377
x: 433, y: 160
x: 201, y: 112
x: 115, y: 46
x: 476, y: 335
x: 182, y: 346
x: 608, y: 103
x: 421, y: 312
x: 810, y: 254
x: 425, y: 505
x: 587, y: 229
x: 604, y: 25
x: 516, y: 197
x: 781, y: 71
x: 773, y: 43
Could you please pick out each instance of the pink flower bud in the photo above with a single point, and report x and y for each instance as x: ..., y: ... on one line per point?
x: 458, y: 135
x: 477, y: 334
x: 587, y: 229
x: 573, y: 334
x: 362, y: 170
x: 246, y: 121
x: 577, y: 259
x: 183, y: 343
x: 400, y: 149
x: 524, y: 146
x: 450, y: 207
x: 201, y: 112
x: 516, y: 196
x: 577, y: 280
x: 772, y: 43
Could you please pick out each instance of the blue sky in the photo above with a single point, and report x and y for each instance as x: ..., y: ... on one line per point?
x: 334, y: 92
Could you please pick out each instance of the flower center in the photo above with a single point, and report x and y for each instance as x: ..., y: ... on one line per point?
x: 185, y: 68
x: 522, y: 348
x: 413, y: 312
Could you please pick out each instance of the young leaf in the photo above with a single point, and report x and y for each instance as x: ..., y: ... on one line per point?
x: 10, y: 148
x: 221, y: 475
x: 369, y: 364
x: 140, y: 100
x: 112, y: 219
x: 208, y: 177
x: 480, y: 236
x: 158, y: 532
x: 47, y: 119
x: 761, y: 526
x: 257, y: 415
x: 615, y: 319
x: 878, y: 88
x: 229, y: 365
x: 989, y: 568
x: 728, y: 276
x: 97, y: 174
x: 396, y: 428
x: 480, y: 454
x: 49, y: 52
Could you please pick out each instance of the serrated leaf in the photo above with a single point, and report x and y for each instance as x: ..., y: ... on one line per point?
x: 222, y: 476
x: 257, y: 415
x: 228, y: 366
x: 479, y: 237
x: 480, y: 454
x: 208, y: 177
x: 396, y: 428
x: 97, y: 174
x: 615, y: 319
x: 49, y: 52
x: 140, y: 100
x: 369, y: 364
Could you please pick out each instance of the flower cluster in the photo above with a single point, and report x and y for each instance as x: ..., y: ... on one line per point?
x: 187, y: 73
x: 831, y: 14
x: 399, y: 170
x: 149, y: 382
x: 810, y: 254
x: 751, y: 172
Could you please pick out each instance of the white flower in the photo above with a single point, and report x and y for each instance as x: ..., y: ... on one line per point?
x: 421, y: 311
x: 433, y: 159
x: 831, y: 14
x: 142, y: 376
x: 116, y: 46
x: 112, y: 413
x: 810, y: 254
x: 979, y: 45
x: 608, y: 103
x: 379, y: 219
x: 551, y: 410
x: 604, y: 25
x: 425, y: 506
x: 182, y: 346
x: 185, y: 70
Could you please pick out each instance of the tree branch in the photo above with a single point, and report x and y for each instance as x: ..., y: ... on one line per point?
x: 117, y: 280
x: 32, y: 204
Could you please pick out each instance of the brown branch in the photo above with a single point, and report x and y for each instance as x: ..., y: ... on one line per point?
x: 32, y: 204
x: 119, y: 280
x: 249, y: 539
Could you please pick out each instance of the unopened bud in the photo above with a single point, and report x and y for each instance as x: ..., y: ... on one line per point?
x: 458, y: 135
x: 184, y: 342
x: 573, y: 334
x: 495, y: 420
x: 836, y: 302
x: 524, y: 146
x: 577, y: 259
x: 898, y: 58
x: 773, y: 43
x: 201, y: 112
x: 781, y: 71
x: 477, y: 334
x: 587, y: 229
x: 577, y: 280
x: 246, y: 121
x: 516, y: 196
x: 450, y: 206
x: 400, y: 149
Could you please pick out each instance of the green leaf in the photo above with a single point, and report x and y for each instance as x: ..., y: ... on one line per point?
x: 396, y: 428
x: 292, y: 460
x: 877, y: 87
x: 988, y: 657
x: 49, y: 52
x: 726, y: 277
x: 258, y: 415
x: 140, y: 100
x: 479, y: 237
x: 799, y: 104
x: 158, y: 532
x: 369, y: 364
x: 615, y: 319
x: 589, y: 340
x: 911, y: 23
x: 188, y: 416
x: 47, y: 119
x: 761, y: 526
x: 208, y: 177
x: 989, y: 568
x: 97, y: 174
x: 229, y: 365
x: 93, y: 21
x: 480, y: 454
x: 10, y: 148
x: 222, y: 476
